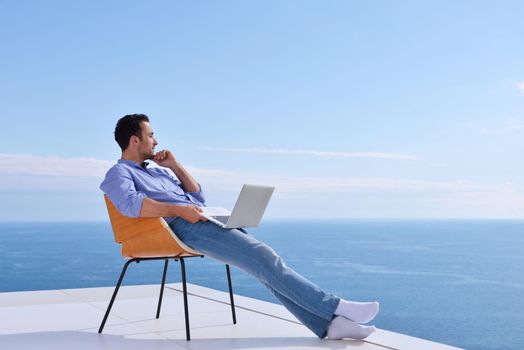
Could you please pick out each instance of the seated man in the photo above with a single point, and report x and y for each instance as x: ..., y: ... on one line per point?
x: 139, y: 191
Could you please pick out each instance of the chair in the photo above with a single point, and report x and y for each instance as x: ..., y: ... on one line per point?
x: 145, y: 239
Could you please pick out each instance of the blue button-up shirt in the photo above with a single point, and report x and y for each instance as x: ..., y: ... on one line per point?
x: 127, y: 184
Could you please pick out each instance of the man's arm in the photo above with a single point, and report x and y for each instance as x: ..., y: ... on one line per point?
x: 119, y: 187
x: 151, y: 208
x: 167, y: 159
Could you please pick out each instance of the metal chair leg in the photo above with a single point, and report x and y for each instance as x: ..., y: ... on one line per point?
x: 162, y: 289
x: 231, y: 299
x: 124, y: 269
x: 184, y: 288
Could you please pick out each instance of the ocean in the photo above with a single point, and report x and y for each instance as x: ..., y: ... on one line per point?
x: 459, y: 282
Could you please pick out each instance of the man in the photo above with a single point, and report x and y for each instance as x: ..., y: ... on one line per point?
x: 141, y: 191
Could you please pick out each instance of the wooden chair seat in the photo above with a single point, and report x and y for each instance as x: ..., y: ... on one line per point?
x: 145, y: 237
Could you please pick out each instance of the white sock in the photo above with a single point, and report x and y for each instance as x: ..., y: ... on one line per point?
x: 358, y: 312
x: 341, y: 327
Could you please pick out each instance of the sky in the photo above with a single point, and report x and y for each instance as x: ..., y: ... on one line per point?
x: 351, y: 109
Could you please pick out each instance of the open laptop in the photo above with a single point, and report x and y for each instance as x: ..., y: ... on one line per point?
x: 249, y: 208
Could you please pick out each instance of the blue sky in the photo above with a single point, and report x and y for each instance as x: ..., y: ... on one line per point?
x: 352, y: 109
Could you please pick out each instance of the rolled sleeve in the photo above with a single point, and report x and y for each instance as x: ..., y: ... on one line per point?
x: 196, y: 197
x: 118, y: 185
x: 199, y: 196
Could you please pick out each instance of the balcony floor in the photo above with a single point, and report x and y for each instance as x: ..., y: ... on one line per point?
x: 69, y: 319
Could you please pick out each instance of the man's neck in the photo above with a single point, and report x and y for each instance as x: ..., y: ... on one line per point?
x: 132, y: 156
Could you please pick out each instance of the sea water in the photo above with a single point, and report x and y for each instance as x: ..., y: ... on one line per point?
x: 459, y: 282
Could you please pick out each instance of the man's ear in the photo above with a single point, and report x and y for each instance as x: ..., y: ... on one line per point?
x: 134, y: 140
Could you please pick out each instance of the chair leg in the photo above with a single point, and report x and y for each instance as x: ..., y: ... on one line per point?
x: 124, y: 269
x: 184, y: 288
x: 162, y: 289
x: 231, y: 299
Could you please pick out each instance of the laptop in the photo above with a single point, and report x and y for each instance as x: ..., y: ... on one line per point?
x: 248, y: 211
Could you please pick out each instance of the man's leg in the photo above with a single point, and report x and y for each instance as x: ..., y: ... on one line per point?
x: 340, y: 327
x: 317, y: 325
x: 310, y: 304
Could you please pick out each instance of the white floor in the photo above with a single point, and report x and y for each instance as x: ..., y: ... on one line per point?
x: 69, y: 319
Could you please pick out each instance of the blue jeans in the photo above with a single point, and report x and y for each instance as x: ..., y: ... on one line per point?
x: 310, y: 304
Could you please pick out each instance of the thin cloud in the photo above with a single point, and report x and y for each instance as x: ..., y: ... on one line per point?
x: 36, y: 175
x: 520, y: 86
x: 500, y: 128
x: 32, y: 167
x: 24, y: 164
x: 373, y: 155
x: 514, y: 124
x: 295, y: 185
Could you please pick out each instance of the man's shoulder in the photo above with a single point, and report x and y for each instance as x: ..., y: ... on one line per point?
x: 119, y: 170
x: 116, y: 174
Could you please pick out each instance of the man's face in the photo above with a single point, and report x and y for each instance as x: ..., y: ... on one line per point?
x: 146, y: 146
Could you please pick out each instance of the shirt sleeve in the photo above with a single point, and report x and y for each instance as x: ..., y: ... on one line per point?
x: 198, y: 196
x: 119, y: 186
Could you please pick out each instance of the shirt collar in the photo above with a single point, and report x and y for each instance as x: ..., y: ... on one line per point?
x: 133, y: 163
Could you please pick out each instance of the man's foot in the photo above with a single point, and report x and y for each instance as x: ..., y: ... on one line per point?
x: 358, y: 312
x: 341, y: 327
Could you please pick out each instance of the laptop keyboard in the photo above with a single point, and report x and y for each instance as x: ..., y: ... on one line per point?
x: 222, y: 219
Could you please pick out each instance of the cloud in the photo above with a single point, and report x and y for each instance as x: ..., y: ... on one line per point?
x: 318, y: 185
x: 62, y: 170
x: 436, y: 164
x: 514, y: 124
x: 369, y: 197
x: 53, y: 166
x: 520, y: 86
x: 374, y: 155
x: 507, y: 127
x: 37, y: 179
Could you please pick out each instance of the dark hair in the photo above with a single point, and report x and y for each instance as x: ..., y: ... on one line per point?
x: 128, y: 126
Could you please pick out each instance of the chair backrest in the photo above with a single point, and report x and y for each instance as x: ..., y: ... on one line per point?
x: 145, y: 237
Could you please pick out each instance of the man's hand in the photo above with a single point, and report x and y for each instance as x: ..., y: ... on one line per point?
x: 191, y: 213
x: 165, y: 158
x: 153, y: 209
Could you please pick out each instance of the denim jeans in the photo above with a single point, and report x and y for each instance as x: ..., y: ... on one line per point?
x: 310, y: 304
